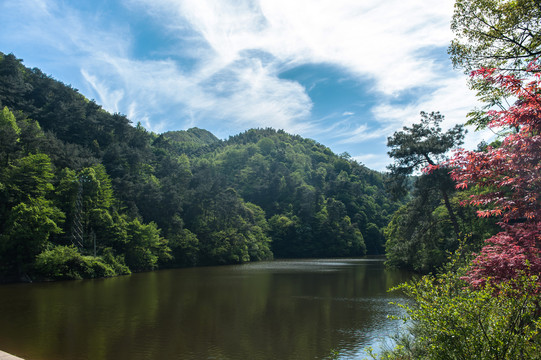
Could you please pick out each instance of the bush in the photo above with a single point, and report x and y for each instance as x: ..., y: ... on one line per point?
x: 66, y: 263
x: 117, y: 263
x: 450, y: 320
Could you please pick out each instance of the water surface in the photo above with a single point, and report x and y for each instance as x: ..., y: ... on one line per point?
x: 286, y: 309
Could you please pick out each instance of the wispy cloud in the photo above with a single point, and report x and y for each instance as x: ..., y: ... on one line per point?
x: 358, y: 135
x: 373, y: 161
x: 350, y: 34
x: 385, y: 40
x: 238, y: 48
x: 452, y: 98
x: 108, y: 99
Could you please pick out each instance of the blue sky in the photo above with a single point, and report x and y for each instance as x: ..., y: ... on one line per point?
x: 346, y: 73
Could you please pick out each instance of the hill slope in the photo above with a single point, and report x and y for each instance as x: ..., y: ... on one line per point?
x: 116, y: 198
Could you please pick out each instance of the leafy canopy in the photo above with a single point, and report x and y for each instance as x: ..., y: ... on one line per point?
x: 503, y: 34
x: 498, y: 34
x: 422, y: 144
x: 509, y: 180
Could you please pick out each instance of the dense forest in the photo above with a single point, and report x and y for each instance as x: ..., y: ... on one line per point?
x: 84, y: 193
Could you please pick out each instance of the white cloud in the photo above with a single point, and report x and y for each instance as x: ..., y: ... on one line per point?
x: 452, y: 98
x: 385, y: 41
x: 108, y: 99
x: 377, y: 162
x: 357, y: 135
x: 239, y: 47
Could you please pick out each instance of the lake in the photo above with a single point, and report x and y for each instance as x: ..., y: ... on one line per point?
x: 284, y: 309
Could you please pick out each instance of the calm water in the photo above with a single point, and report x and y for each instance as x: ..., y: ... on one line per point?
x: 294, y: 309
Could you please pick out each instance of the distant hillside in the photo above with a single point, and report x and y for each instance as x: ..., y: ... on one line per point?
x: 194, y: 135
x: 106, y: 197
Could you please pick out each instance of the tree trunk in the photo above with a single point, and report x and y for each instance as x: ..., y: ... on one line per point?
x: 451, y: 213
x: 447, y: 203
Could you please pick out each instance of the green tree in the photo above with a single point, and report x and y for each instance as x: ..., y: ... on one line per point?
x: 29, y: 178
x: 97, y: 188
x: 184, y: 247
x: 29, y: 218
x: 284, y: 231
x: 31, y: 137
x: 26, y: 233
x: 503, y: 34
x: 13, y: 83
x: 494, y: 34
x: 421, y: 145
x: 9, y: 135
x: 336, y: 236
x: 420, y: 235
x: 145, y: 249
x: 231, y: 231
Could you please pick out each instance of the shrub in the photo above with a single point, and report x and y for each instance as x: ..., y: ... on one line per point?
x: 450, y: 320
x: 65, y: 263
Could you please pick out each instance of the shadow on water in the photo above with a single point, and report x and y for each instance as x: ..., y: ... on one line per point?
x: 284, y: 309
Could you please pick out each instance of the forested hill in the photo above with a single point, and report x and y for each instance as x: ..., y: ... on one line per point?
x: 84, y: 193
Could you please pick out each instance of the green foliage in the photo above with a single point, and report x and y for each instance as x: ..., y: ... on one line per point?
x: 191, y: 139
x: 184, y: 247
x: 29, y: 177
x: 423, y: 143
x: 96, y: 187
x: 232, y: 231
x: 449, y: 320
x: 67, y: 263
x: 420, y: 235
x: 285, y: 234
x: 145, y: 247
x: 7, y: 121
x: 423, y: 232
x: 9, y: 135
x: 495, y: 34
x: 28, y: 218
x: 501, y: 34
x: 116, y: 262
x: 26, y: 232
x: 297, y: 179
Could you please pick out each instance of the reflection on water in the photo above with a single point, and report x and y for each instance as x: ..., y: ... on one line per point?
x: 285, y: 309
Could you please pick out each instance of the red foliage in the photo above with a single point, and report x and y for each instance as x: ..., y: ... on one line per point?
x: 509, y: 181
x: 510, y: 253
x: 511, y: 173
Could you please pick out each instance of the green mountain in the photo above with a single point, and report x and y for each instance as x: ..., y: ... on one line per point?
x: 84, y: 193
x: 194, y: 135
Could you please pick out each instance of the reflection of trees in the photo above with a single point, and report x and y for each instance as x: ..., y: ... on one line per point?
x: 226, y: 312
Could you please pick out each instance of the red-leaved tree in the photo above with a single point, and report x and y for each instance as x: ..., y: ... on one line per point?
x: 508, y: 181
